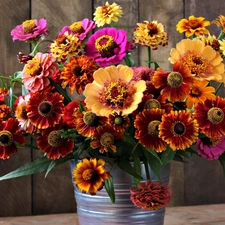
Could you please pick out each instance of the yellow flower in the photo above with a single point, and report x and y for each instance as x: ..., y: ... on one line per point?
x: 107, y: 14
x: 203, y: 61
x: 150, y: 34
x: 222, y: 46
x: 220, y: 22
x: 193, y: 26
x: 113, y: 91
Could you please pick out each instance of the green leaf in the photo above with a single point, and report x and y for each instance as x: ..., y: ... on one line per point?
x: 167, y: 156
x: 34, y: 167
x: 137, y: 168
x: 129, y: 59
x: 109, y: 187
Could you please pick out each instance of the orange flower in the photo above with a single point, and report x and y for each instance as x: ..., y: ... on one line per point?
x: 193, y: 26
x: 220, y: 22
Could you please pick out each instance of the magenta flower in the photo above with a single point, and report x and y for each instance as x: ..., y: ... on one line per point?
x: 81, y: 28
x: 151, y: 195
x: 30, y: 30
x: 211, y: 149
x: 36, y: 72
x: 107, y: 46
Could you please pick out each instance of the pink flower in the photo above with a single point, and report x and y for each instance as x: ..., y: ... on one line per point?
x: 151, y: 195
x: 107, y: 46
x: 211, y: 149
x: 29, y: 30
x: 81, y: 28
x: 36, y: 72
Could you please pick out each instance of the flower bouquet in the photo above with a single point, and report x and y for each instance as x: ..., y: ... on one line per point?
x: 85, y: 99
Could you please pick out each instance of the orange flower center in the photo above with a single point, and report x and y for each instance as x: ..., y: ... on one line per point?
x: 153, y: 127
x: 115, y: 93
x: 152, y: 104
x: 215, y: 115
x: 77, y: 27
x: 6, y: 138
x: 152, y: 29
x: 194, y: 24
x: 33, y: 67
x: 195, y: 92
x: 45, y: 108
x: 21, y: 112
x: 88, y: 174
x: 107, y: 139
x: 174, y: 79
x: 55, y: 139
x: 90, y: 118
x: 178, y: 128
x: 28, y: 26
x: 105, y: 45
x: 106, y: 10
x: 61, y: 40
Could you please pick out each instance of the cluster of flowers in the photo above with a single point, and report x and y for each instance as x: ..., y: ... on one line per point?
x: 125, y: 113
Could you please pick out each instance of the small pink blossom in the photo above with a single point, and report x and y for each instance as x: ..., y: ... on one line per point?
x: 30, y: 30
x: 36, y: 72
x: 86, y: 26
x: 107, y: 46
x: 209, y: 150
x: 151, y: 195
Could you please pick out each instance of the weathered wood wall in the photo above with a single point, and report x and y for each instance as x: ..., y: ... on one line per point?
x: 198, y: 182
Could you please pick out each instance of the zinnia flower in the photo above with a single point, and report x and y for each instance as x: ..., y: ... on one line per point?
x: 150, y: 34
x: 89, y: 175
x: 9, y: 134
x: 210, y: 117
x: 51, y: 143
x: 77, y: 73
x: 65, y: 46
x: 80, y: 28
x: 30, y: 30
x: 147, y: 133
x: 193, y: 26
x: 107, y: 14
x: 111, y: 91
x: 178, y: 129
x: 151, y: 195
x: 176, y: 84
x: 203, y: 61
x: 5, y: 112
x: 199, y: 92
x: 45, y: 109
x: 220, y: 22
x: 37, y: 71
x: 209, y: 148
x: 107, y: 46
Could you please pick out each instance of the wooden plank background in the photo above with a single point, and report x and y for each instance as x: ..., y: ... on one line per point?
x: 197, y: 182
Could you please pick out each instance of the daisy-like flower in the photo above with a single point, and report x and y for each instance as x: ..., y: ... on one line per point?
x: 65, y: 46
x: 80, y: 28
x: 112, y: 91
x: 108, y: 45
x: 104, y: 138
x: 119, y: 122
x: 220, y: 22
x: 9, y: 135
x: 89, y: 175
x: 150, y: 34
x: 51, y: 143
x: 37, y: 71
x: 147, y: 133
x: 30, y: 30
x: 151, y: 195
x: 176, y: 84
x: 199, y: 92
x: 209, y: 148
x: 21, y: 114
x: 107, y: 14
x: 178, y: 129
x: 203, y: 61
x: 45, y: 109
x: 193, y: 26
x: 77, y: 73
x: 210, y: 115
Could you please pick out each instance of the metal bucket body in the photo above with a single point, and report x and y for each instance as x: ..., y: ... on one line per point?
x: 98, y: 209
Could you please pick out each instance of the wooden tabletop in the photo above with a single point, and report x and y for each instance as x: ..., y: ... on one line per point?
x: 185, y: 215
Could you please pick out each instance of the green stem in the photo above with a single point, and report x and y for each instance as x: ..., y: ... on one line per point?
x: 35, y: 46
x: 147, y: 169
x: 221, y: 35
x: 149, y: 56
x: 218, y: 88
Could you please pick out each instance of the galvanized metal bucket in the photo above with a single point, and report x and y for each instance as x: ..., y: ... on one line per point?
x: 98, y: 209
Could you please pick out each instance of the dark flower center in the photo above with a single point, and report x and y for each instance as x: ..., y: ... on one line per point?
x: 215, y: 115
x: 194, y: 24
x: 55, y: 139
x: 152, y: 29
x: 197, y: 60
x: 107, y: 139
x: 153, y: 127
x: 195, y: 92
x: 178, y: 128
x: 45, y: 108
x: 6, y: 138
x: 77, y: 71
x: 175, y: 79
x: 90, y: 118
x: 89, y: 175
x: 152, y: 104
